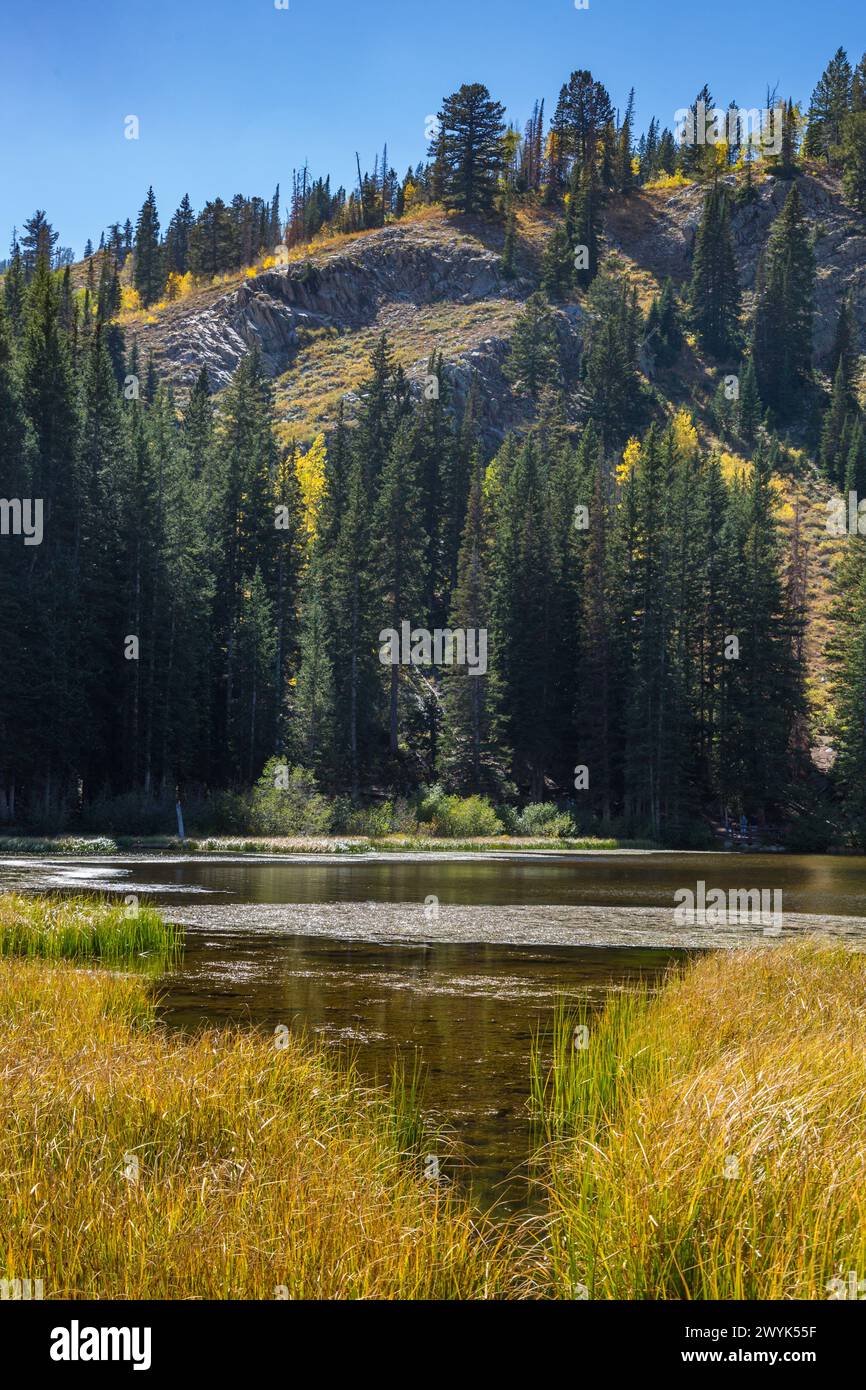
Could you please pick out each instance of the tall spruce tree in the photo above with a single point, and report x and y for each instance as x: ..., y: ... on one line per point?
x: 471, y: 148
x: 148, y: 276
x: 714, y: 292
x: 782, y: 333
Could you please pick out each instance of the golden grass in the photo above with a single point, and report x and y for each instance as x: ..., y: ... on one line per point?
x: 708, y: 1142
x: 330, y: 365
x: 86, y: 928
x: 138, y: 1163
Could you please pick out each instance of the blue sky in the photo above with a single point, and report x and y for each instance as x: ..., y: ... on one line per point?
x: 232, y: 94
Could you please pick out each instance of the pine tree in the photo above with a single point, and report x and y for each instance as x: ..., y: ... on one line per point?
x: 749, y: 407
x: 584, y: 223
x: 352, y: 620
x: 714, y: 292
x: 37, y: 243
x: 398, y: 550
x: 471, y: 148
x: 148, y: 276
x: 588, y: 113
x: 623, y: 174
x: 611, y: 357
x: 845, y: 350
x: 535, y: 358
x: 314, y: 702
x: 847, y: 655
x: 664, y: 335
x: 782, y: 334
x: 246, y: 539
x: 510, y: 244
x: 13, y: 289
x: 521, y: 634
x: 14, y: 565
x: 198, y: 428
x: 177, y: 240
x: 855, y: 466
x: 831, y: 102
x: 468, y: 736
x: 853, y: 158
x: 49, y: 398
x: 598, y: 691
x: 835, y: 432
x: 557, y: 267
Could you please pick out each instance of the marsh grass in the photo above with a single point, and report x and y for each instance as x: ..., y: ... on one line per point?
x: 86, y: 929
x: 707, y: 1143
x: 147, y: 1164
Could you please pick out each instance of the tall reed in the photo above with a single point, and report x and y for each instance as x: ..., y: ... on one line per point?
x: 707, y: 1142
x: 148, y: 1164
x: 86, y: 928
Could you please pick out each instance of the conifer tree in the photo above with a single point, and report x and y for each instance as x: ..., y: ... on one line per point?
x: 398, y: 549
x: 15, y: 747
x: 148, y: 276
x: 853, y: 157
x: 749, y: 410
x: 471, y: 148
x: 782, y: 333
x: 557, y: 268
x: 535, y: 358
x: 714, y: 292
x: 584, y: 223
x: 468, y: 737
x: 831, y: 102
x: 13, y: 289
x: 847, y: 655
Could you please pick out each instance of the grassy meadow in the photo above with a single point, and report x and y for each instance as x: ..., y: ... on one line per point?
x: 706, y: 1142
x: 142, y: 1164
x: 700, y: 1141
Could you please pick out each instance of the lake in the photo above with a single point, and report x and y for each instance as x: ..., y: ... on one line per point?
x: 458, y: 958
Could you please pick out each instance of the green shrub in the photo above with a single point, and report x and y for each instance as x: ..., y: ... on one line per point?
x: 544, y: 819
x: 458, y: 816
x: 286, y: 801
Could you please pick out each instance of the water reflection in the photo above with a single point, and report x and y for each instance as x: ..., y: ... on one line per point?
x: 344, y: 949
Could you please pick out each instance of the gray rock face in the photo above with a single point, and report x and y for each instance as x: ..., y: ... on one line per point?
x: 665, y: 240
x: 345, y: 291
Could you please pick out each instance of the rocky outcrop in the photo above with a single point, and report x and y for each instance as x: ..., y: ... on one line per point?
x: 344, y: 292
x: 438, y: 282
x: 658, y: 232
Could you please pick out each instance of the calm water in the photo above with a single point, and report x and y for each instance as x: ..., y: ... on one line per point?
x: 457, y: 958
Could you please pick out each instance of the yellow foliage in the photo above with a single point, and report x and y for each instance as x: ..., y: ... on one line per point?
x: 130, y: 299
x: 310, y: 470
x: 269, y: 262
x: 630, y: 456
x: 685, y: 435
x: 178, y: 286
x: 492, y: 484
x: 734, y: 468
x: 676, y: 180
